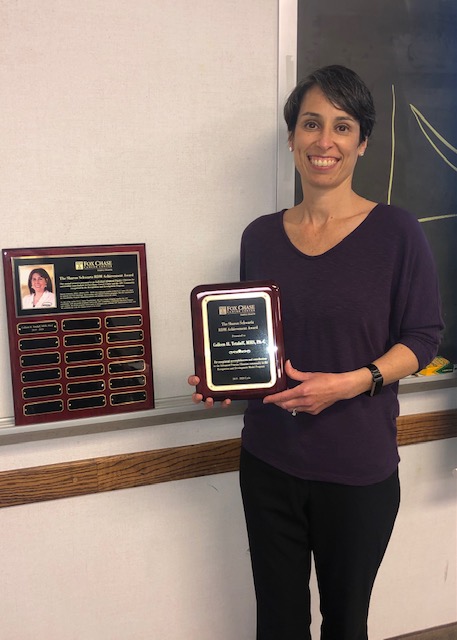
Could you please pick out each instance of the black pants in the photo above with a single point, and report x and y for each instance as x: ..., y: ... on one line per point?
x: 346, y: 528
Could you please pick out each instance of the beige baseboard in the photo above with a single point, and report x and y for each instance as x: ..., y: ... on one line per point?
x: 444, y: 632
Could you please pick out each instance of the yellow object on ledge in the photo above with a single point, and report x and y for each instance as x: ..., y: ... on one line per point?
x: 437, y: 365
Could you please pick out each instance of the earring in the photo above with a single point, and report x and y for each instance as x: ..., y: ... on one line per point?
x: 362, y: 154
x: 291, y: 148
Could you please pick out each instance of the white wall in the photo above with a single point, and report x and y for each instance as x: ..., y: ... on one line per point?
x: 417, y: 587
x: 171, y: 561
x: 81, y: 146
x: 168, y: 562
x: 139, y: 121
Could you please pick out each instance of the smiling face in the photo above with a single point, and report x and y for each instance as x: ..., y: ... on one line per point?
x: 38, y: 283
x: 325, y: 142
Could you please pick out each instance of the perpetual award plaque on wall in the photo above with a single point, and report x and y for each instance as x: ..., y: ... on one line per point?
x: 79, y: 331
x: 238, y: 340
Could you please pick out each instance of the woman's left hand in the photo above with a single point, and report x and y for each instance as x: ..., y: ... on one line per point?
x: 316, y: 392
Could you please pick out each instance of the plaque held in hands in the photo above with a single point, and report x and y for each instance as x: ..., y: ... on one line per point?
x: 238, y: 340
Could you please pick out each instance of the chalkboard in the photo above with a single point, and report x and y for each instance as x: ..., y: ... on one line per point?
x: 407, y: 54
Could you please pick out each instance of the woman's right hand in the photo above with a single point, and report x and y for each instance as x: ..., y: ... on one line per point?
x: 197, y: 397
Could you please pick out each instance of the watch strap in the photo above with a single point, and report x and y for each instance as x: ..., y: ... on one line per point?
x: 378, y: 380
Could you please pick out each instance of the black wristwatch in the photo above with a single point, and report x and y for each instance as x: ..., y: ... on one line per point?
x: 378, y: 381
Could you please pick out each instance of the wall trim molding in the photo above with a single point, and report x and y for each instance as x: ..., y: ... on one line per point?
x: 109, y: 473
x: 443, y: 632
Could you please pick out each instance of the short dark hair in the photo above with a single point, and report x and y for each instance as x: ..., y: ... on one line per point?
x: 344, y: 88
x: 44, y: 274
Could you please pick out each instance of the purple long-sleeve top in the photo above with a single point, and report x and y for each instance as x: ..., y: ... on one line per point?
x: 341, y: 310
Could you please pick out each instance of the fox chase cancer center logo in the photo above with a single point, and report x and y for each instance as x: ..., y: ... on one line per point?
x: 94, y: 265
x: 241, y: 309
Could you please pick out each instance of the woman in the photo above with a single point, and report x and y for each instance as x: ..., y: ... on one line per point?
x: 360, y: 308
x: 41, y: 295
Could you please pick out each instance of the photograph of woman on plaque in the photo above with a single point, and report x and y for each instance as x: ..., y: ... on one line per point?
x: 41, y: 295
x: 361, y: 310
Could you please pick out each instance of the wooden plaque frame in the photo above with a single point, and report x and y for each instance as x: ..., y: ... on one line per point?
x: 238, y: 340
x: 91, y: 327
